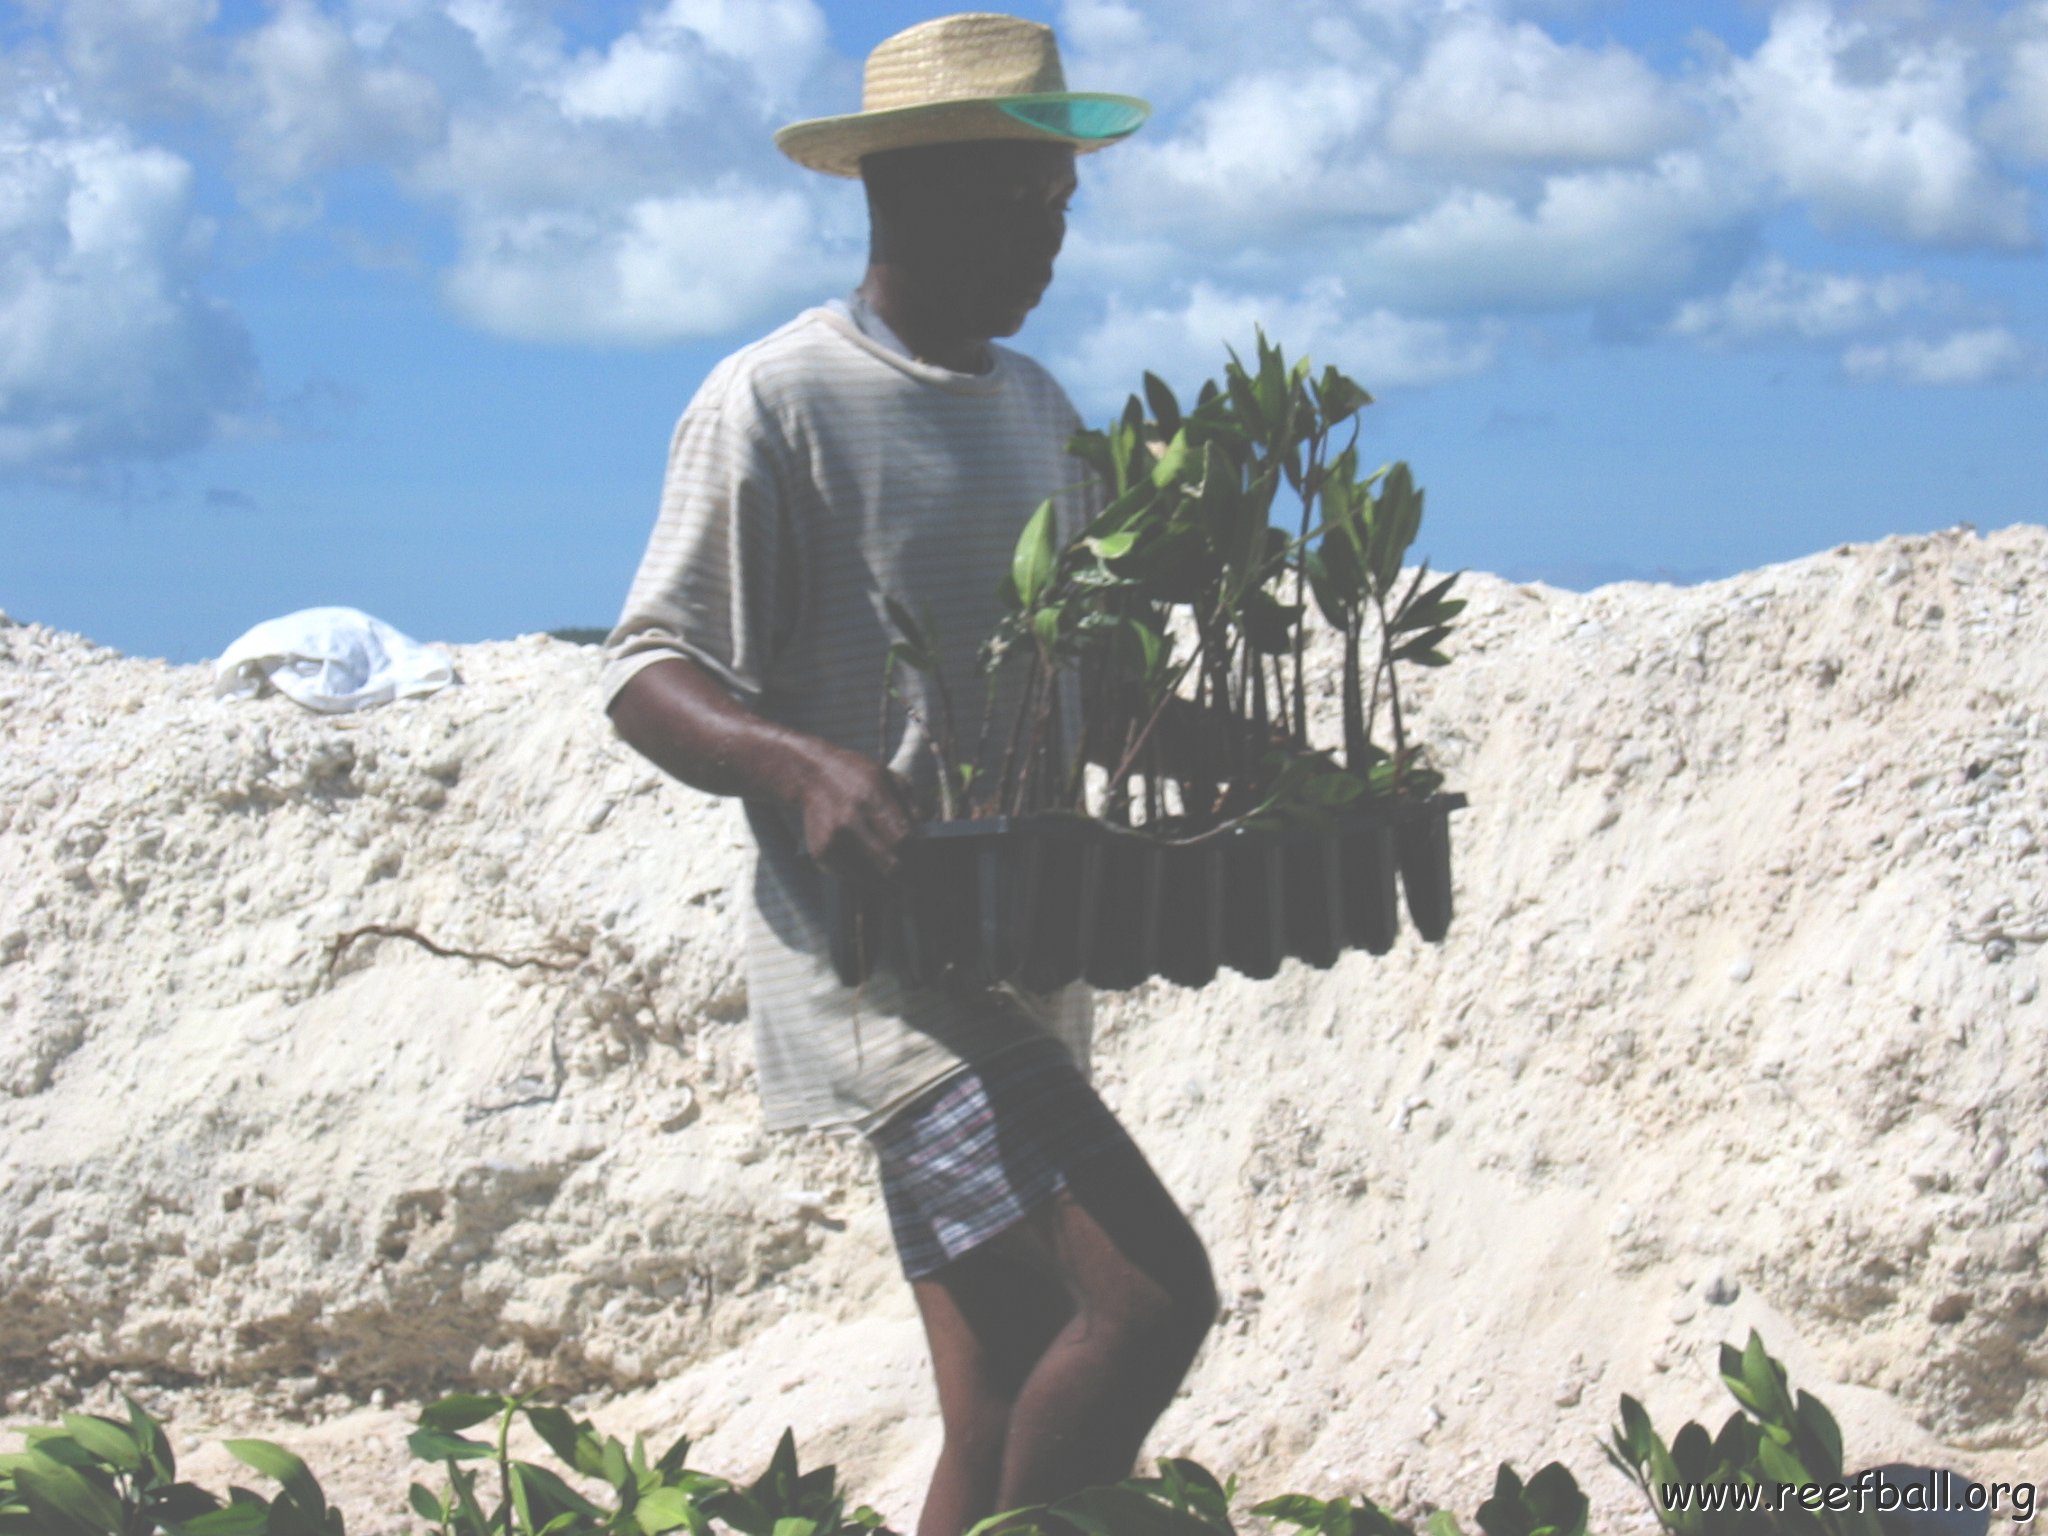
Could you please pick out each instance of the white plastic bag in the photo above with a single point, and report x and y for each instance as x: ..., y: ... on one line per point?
x: 333, y: 660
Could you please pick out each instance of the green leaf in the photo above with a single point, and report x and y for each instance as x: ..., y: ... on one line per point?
x: 1037, y: 553
x: 794, y: 1525
x: 550, y: 1494
x: 240, y: 1519
x: 1553, y: 1496
x: 1092, y: 449
x: 1045, y: 625
x: 670, y: 1462
x: 1781, y: 1463
x: 68, y: 1498
x: 1173, y: 462
x: 149, y: 1435
x: 280, y: 1465
x: 58, y: 1446
x: 1741, y: 1391
x: 1503, y: 1514
x: 1113, y: 546
x: 1151, y: 646
x: 612, y: 1465
x: 1009, y: 1520
x: 1113, y: 1510
x: 1165, y: 408
x: 459, y: 1411
x: 740, y: 1511
x: 1765, y: 1379
x: 106, y: 1440
x: 1824, y: 1434
x: 1442, y: 1522
x: 1339, y: 398
x: 434, y: 1445
x: 522, y: 1506
x: 1635, y: 1435
x: 424, y: 1503
x: 1293, y: 1509
x: 665, y: 1509
x: 1664, y: 1470
x: 557, y: 1430
x: 1335, y: 788
x: 171, y: 1502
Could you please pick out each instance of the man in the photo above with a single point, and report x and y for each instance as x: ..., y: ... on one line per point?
x: 887, y: 446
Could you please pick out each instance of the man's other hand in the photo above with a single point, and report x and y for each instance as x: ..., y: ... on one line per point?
x: 856, y: 814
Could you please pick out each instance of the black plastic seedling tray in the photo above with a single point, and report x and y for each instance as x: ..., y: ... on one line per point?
x: 1045, y: 900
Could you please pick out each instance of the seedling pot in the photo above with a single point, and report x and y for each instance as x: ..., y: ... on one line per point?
x: 1367, y: 864
x: 1067, y: 861
x: 1121, y: 947
x: 1191, y: 913
x: 1045, y: 900
x: 1312, y: 877
x: 1254, y: 903
x: 1422, y: 839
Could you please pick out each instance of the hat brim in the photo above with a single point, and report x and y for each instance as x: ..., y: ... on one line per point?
x: 1087, y: 121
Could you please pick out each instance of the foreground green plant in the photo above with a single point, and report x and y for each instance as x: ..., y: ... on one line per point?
x: 647, y: 1498
x: 96, y: 1476
x: 1777, y: 1439
x: 99, y: 1476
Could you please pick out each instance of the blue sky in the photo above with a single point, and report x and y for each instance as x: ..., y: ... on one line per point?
x: 393, y: 303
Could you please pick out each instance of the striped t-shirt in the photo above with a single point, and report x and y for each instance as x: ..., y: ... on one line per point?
x: 815, y: 473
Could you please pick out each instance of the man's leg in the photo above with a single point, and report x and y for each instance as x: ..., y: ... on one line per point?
x: 989, y: 1316
x: 1059, y: 1342
x: 1144, y: 1299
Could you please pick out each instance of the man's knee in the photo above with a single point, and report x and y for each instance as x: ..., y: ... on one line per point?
x: 1166, y: 1320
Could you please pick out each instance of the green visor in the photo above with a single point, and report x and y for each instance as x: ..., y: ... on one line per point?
x: 1092, y: 119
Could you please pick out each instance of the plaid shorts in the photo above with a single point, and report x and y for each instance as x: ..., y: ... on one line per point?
x: 971, y: 1155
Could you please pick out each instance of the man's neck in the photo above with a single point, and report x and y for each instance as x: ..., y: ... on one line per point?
x: 892, y: 293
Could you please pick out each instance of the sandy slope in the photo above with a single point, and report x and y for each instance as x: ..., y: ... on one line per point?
x: 1740, y: 1023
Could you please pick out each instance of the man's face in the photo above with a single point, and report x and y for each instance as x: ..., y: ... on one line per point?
x: 986, y: 221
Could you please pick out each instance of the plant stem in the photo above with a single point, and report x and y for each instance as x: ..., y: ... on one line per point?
x: 1355, y: 729
x: 1308, y: 494
x: 505, y: 1459
x: 1130, y: 756
x: 988, y: 716
x: 1010, y: 748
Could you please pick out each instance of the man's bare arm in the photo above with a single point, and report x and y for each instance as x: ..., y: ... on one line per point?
x: 678, y: 717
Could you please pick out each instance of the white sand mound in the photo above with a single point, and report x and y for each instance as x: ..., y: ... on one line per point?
x: 1739, y: 1023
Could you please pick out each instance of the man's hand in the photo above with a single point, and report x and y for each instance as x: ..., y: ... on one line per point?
x: 855, y: 812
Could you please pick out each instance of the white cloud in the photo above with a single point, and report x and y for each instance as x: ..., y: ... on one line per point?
x: 1986, y: 355
x: 1490, y: 90
x: 1774, y: 302
x: 664, y: 269
x: 315, y: 102
x: 1184, y: 341
x: 2020, y: 119
x: 1588, y: 238
x: 108, y: 349
x: 139, y: 55
x: 1872, y: 128
x: 680, y: 59
x: 1268, y: 157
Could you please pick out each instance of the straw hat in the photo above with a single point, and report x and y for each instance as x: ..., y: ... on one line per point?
x: 962, y: 77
